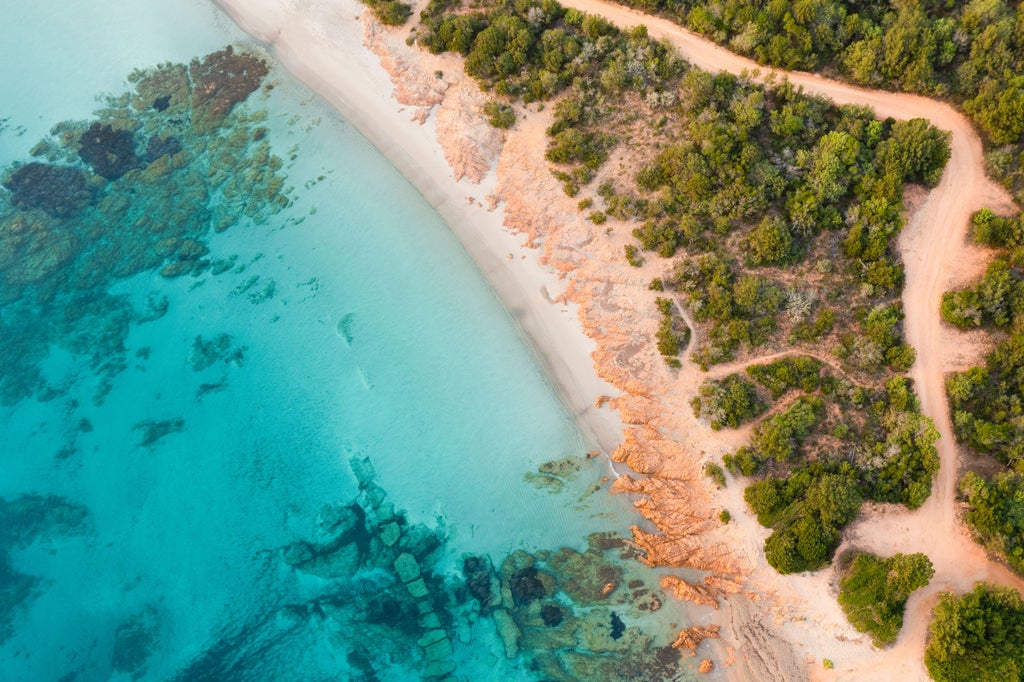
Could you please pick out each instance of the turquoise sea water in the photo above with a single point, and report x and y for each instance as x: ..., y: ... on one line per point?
x: 261, y: 416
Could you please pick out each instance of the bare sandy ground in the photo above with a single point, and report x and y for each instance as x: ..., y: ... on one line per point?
x: 775, y: 629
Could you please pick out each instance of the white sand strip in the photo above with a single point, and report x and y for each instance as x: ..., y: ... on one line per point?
x: 322, y: 45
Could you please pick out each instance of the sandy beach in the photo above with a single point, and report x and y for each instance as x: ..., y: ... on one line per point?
x: 315, y: 41
x: 591, y: 321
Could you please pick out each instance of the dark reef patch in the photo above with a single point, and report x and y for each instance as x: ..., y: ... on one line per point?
x: 176, y: 159
x: 161, y: 146
x: 153, y: 431
x: 24, y: 520
x: 61, y: 191
x: 222, y: 80
x: 110, y: 151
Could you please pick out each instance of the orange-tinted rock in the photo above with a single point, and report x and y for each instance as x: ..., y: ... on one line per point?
x: 690, y: 638
x: 680, y: 589
x: 706, y: 666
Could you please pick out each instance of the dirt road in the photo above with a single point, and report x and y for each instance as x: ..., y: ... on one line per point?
x: 930, y: 244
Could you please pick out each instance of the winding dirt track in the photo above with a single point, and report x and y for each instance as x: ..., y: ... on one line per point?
x: 931, y: 245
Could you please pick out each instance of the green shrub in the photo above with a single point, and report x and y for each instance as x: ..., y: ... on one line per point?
x: 715, y: 473
x: 633, y: 256
x: 729, y: 401
x: 500, y: 114
x: 390, y: 12
x: 977, y: 636
x: 873, y: 592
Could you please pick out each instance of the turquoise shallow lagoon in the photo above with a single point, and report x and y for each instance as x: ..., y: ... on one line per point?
x: 262, y: 418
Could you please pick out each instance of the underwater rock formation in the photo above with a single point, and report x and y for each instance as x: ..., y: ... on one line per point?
x: 61, y: 191
x: 176, y: 159
x: 564, y: 615
x: 222, y: 80
x: 110, y: 152
x: 24, y: 520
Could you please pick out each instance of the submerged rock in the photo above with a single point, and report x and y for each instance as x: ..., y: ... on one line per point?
x: 222, y: 80
x: 551, y: 615
x: 153, y: 431
x: 161, y: 146
x: 526, y: 587
x: 60, y: 191
x: 110, y: 151
x: 24, y: 520
x: 134, y: 641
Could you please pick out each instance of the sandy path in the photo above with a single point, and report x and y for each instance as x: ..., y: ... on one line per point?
x: 931, y: 245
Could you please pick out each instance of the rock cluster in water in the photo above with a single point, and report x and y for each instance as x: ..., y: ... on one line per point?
x: 137, y: 188
x: 565, y: 615
x: 23, y: 520
x: 568, y: 612
x: 403, y: 619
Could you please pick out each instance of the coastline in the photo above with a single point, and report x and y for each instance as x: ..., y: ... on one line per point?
x: 588, y: 317
x: 311, y: 46
x: 602, y: 323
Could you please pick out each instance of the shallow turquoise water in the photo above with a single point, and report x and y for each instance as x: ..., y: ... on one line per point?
x: 175, y: 446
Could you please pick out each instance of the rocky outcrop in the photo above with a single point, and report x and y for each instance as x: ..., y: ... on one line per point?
x: 469, y: 143
x: 690, y: 638
x: 681, y: 589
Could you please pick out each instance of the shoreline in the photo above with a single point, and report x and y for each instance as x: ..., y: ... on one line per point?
x: 597, y: 341
x: 308, y: 47
x: 528, y: 248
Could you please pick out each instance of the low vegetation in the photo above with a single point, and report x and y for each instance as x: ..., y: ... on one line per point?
x: 873, y: 592
x: 971, y: 53
x: 832, y: 445
x: 390, y: 12
x: 673, y: 333
x: 996, y: 514
x: 987, y: 402
x: 977, y: 636
x: 779, y: 212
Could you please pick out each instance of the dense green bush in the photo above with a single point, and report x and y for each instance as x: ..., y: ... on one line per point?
x: 806, y: 511
x: 977, y: 636
x: 993, y: 300
x: 729, y: 401
x: 996, y: 514
x: 499, y: 114
x: 780, y: 437
x: 781, y: 376
x: 988, y: 403
x: 673, y: 333
x: 873, y: 592
x: 390, y: 12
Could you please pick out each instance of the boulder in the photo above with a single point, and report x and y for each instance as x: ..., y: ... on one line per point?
x: 508, y: 631
x: 407, y: 568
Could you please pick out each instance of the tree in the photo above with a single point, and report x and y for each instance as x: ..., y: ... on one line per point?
x: 770, y: 243
x: 977, y: 636
x: 873, y: 592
